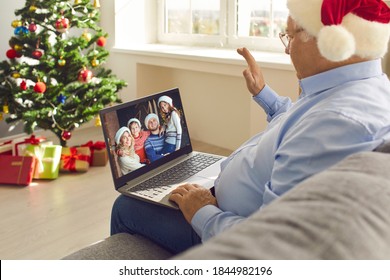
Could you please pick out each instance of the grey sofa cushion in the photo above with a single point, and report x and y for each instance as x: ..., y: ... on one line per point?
x: 341, y: 213
x: 121, y: 246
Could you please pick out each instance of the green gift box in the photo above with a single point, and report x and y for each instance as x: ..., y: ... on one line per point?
x: 47, y: 160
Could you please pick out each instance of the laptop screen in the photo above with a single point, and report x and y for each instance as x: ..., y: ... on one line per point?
x: 144, y: 134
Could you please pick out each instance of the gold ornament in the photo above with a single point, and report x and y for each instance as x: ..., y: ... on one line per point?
x: 18, y: 48
x: 15, y: 75
x: 76, y: 2
x: 16, y: 23
x: 87, y: 36
x: 96, y: 3
x: 98, y: 122
x: 95, y: 62
x: 61, y: 62
x: 5, y: 109
x: 33, y: 8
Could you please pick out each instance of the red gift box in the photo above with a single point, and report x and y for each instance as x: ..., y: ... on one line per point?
x: 99, y: 156
x: 6, y: 148
x: 16, y: 170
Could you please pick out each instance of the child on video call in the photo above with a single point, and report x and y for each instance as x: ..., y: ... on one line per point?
x: 172, y: 125
x: 139, y: 136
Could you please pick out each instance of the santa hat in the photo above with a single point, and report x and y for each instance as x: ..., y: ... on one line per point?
x: 344, y: 28
x: 165, y: 99
x: 151, y: 116
x: 133, y: 120
x: 119, y: 134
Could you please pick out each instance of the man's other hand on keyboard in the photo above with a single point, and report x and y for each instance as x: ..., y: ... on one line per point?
x: 192, y: 197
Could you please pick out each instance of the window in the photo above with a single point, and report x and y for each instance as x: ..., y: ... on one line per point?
x: 222, y: 23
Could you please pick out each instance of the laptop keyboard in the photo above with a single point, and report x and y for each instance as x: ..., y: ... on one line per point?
x: 160, y: 183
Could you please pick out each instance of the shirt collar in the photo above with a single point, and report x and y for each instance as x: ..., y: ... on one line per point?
x: 340, y: 75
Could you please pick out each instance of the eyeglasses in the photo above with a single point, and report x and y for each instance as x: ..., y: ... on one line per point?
x: 286, y: 38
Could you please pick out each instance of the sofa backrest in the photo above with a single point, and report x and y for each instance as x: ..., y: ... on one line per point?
x: 341, y: 213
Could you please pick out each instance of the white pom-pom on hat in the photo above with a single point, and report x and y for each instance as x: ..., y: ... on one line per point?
x: 336, y: 43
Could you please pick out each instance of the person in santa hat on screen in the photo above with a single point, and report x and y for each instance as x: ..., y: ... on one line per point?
x: 336, y: 47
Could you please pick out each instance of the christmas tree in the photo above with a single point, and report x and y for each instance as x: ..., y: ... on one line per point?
x: 53, y: 78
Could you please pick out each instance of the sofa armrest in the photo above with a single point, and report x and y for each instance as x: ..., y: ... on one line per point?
x: 121, y: 246
x: 341, y: 213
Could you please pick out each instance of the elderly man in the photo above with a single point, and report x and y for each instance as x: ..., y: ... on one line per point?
x: 343, y: 108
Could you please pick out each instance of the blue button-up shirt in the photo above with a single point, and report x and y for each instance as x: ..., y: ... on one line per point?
x: 338, y: 113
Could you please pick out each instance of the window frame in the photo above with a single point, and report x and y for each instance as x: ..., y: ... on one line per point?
x: 227, y: 26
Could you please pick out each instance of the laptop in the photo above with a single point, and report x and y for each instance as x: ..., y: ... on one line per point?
x: 155, y: 179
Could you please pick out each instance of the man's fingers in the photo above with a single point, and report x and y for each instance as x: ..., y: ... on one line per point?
x: 250, y: 60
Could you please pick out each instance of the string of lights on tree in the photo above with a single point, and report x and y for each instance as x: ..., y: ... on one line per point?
x: 53, y: 77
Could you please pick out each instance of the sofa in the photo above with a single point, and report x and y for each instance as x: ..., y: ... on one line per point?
x: 340, y: 213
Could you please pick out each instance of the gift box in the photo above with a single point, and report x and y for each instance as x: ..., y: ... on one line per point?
x: 6, y: 148
x: 75, y: 159
x: 47, y: 157
x: 16, y: 170
x: 99, y: 156
x: 19, y: 144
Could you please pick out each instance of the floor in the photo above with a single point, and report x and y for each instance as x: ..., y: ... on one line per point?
x: 52, y: 218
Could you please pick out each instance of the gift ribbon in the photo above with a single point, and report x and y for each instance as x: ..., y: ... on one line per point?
x: 70, y: 160
x: 39, y: 153
x: 31, y: 140
x: 98, y: 145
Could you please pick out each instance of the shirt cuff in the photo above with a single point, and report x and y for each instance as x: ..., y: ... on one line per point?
x: 266, y: 99
x: 201, y: 217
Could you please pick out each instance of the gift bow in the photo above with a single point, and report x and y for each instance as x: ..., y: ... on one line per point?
x: 98, y: 145
x: 34, y: 140
x: 38, y: 153
x: 70, y: 160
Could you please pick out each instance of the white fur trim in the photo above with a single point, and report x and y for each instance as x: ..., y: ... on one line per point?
x: 119, y: 134
x: 336, y: 43
x: 371, y: 38
x: 150, y: 116
x: 307, y: 14
x: 165, y: 99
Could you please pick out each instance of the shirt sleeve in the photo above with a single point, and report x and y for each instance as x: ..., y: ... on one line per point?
x: 272, y: 103
x: 301, y: 155
x: 210, y: 220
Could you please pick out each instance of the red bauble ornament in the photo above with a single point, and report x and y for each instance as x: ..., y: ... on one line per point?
x: 101, y: 41
x: 85, y: 75
x: 32, y: 27
x: 40, y: 87
x: 62, y: 24
x: 23, y: 85
x: 11, y: 54
x: 37, y: 54
x: 66, y: 135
